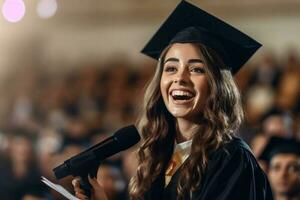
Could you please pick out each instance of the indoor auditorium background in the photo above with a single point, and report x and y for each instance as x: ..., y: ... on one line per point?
x: 71, y: 73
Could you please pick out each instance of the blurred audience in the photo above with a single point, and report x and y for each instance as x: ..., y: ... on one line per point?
x: 22, y: 173
x: 111, y: 178
x: 277, y: 122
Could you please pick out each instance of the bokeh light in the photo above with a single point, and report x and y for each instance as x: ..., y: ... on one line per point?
x: 13, y: 10
x: 46, y: 8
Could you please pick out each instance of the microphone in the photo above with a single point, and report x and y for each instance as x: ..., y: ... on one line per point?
x: 87, y: 162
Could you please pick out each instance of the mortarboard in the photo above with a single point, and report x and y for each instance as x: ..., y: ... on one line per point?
x: 277, y: 145
x: 190, y: 24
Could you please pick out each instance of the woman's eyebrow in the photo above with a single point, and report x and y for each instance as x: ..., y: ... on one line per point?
x: 190, y: 60
x: 195, y: 61
x: 172, y: 59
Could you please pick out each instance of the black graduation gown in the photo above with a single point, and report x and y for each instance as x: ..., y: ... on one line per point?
x: 232, y: 174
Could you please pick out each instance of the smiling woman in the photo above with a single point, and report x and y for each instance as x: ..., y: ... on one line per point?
x: 193, y: 98
x: 191, y: 112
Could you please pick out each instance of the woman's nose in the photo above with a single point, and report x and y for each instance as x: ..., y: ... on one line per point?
x: 182, y: 76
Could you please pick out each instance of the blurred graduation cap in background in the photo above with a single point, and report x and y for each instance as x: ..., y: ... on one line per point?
x: 190, y: 24
x: 279, y: 145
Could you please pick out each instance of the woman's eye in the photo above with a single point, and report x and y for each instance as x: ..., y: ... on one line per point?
x: 199, y: 70
x: 170, y: 69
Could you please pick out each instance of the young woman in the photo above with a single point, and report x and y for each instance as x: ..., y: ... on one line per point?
x: 192, y: 110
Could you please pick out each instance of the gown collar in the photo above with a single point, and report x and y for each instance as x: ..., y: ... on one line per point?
x: 181, y: 153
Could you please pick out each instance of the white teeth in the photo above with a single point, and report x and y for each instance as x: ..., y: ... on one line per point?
x: 181, y: 93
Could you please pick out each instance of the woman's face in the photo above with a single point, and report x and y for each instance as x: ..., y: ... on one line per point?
x: 184, y: 84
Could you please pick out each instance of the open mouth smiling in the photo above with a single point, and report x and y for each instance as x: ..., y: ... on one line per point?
x: 182, y: 96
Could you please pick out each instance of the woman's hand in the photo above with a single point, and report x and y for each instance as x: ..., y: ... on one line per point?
x: 97, y: 191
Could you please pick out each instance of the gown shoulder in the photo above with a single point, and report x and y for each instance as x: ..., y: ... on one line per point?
x: 234, y: 174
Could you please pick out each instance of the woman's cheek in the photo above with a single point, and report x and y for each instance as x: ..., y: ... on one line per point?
x: 164, y: 87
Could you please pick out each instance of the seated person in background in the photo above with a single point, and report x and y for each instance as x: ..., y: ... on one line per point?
x: 283, y: 158
x: 277, y: 122
x: 23, y: 173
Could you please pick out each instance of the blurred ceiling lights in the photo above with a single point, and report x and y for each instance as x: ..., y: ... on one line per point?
x: 46, y: 8
x: 14, y: 10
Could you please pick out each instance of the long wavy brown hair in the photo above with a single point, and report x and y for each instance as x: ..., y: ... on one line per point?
x: 220, y: 118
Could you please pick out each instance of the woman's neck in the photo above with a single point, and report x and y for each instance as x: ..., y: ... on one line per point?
x: 185, y: 129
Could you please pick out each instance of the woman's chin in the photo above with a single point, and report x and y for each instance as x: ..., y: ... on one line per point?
x: 180, y: 113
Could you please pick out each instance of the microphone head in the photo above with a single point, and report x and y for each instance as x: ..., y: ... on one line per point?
x: 61, y: 171
x: 127, y: 137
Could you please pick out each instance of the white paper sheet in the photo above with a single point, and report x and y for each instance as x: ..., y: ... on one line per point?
x: 59, y: 189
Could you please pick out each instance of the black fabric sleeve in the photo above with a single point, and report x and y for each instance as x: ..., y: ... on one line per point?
x: 234, y: 175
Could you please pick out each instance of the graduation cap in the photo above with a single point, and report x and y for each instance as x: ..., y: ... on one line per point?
x: 189, y: 24
x: 277, y: 145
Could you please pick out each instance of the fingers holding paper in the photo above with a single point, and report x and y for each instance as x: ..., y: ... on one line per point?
x: 97, y: 192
